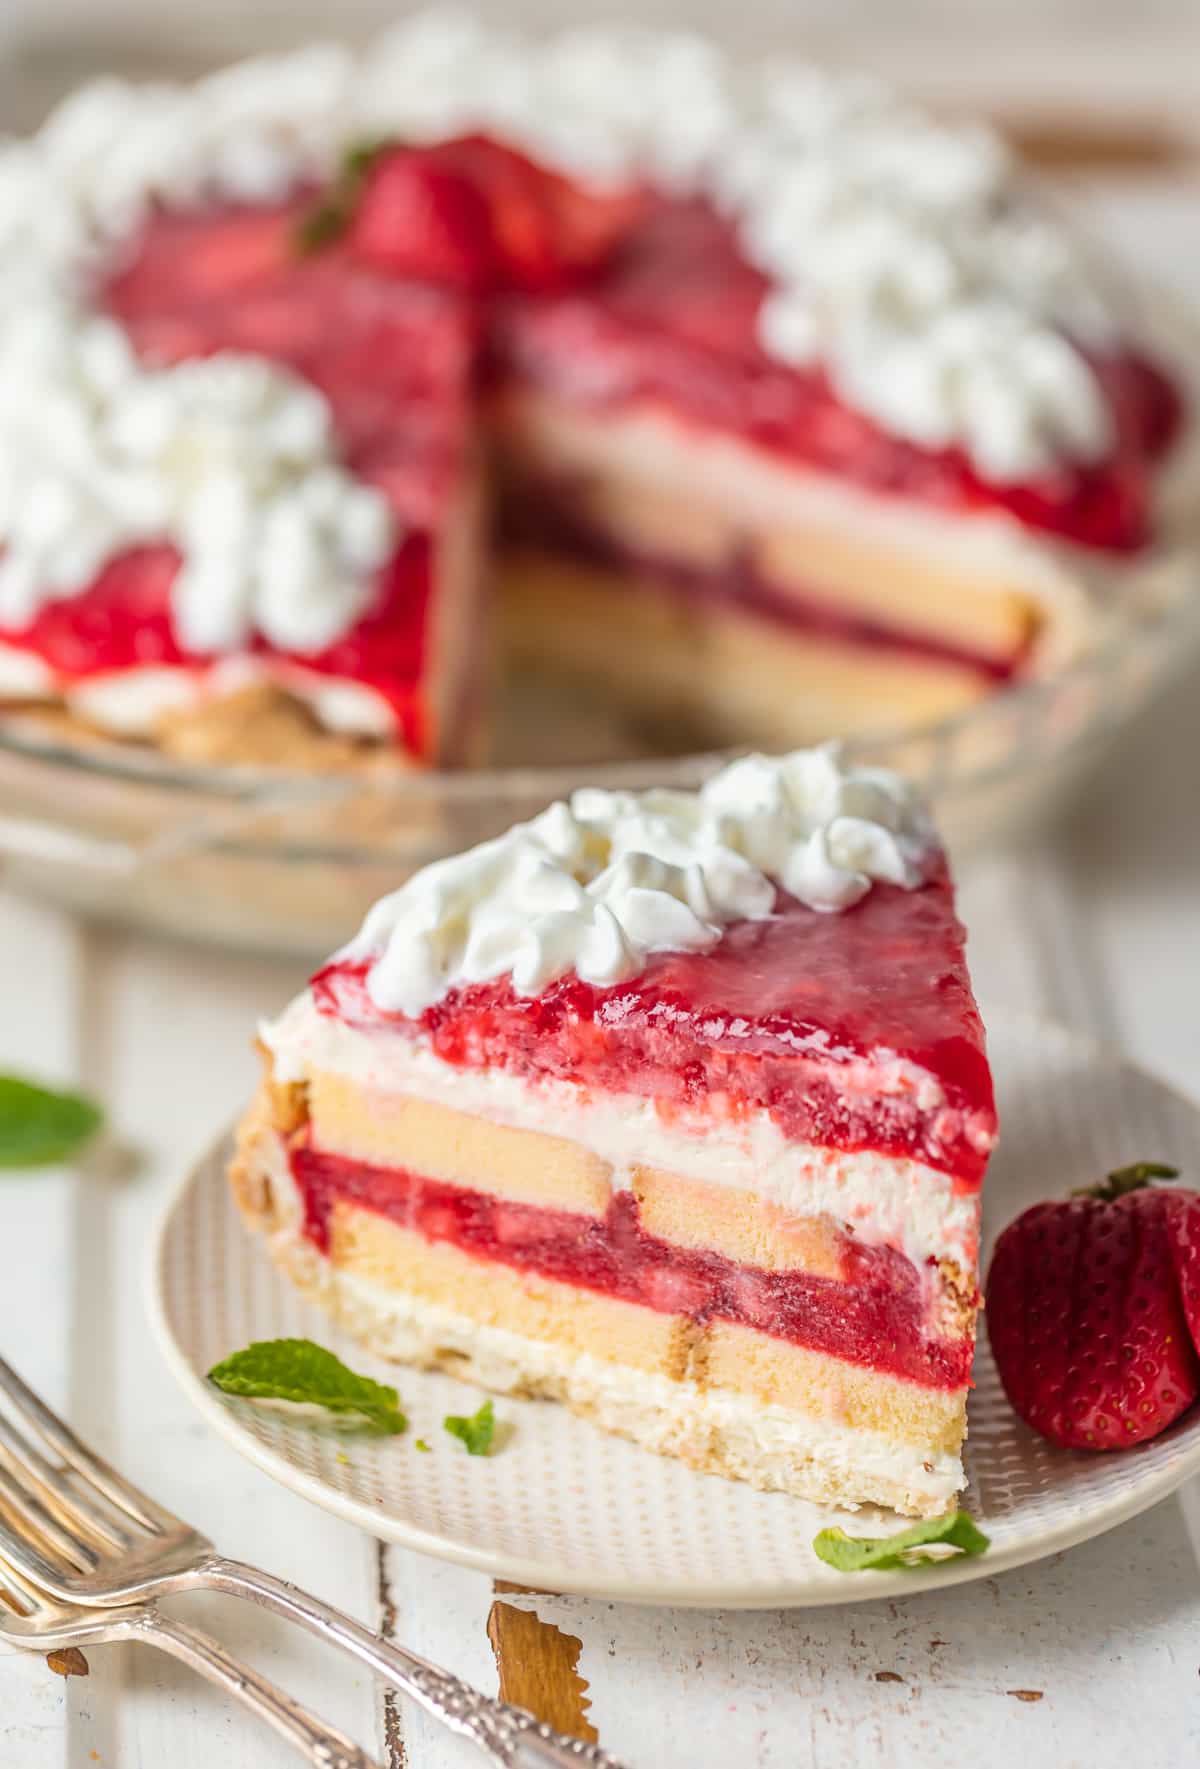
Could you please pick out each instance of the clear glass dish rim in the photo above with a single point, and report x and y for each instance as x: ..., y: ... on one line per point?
x: 246, y: 788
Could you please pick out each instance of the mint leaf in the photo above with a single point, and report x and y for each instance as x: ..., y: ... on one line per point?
x: 903, y: 1551
x: 39, y: 1127
x: 297, y: 1370
x: 476, y: 1432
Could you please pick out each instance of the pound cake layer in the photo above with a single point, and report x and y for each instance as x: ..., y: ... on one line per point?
x: 738, y: 1188
x: 655, y: 1240
x: 717, y: 515
x: 725, y: 1398
x: 878, y: 1311
x: 696, y: 665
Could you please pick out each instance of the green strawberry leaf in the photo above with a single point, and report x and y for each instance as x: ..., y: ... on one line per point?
x: 904, y: 1551
x: 297, y: 1370
x: 39, y: 1127
x: 321, y: 225
x: 1123, y: 1180
x: 476, y: 1432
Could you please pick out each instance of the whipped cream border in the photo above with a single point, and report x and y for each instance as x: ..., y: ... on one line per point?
x: 230, y: 459
x: 598, y: 883
x: 904, y: 253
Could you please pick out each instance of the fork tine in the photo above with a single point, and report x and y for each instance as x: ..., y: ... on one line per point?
x: 19, y: 1555
x: 70, y: 1507
x: 37, y: 1416
x: 16, y: 1595
x: 27, y: 1517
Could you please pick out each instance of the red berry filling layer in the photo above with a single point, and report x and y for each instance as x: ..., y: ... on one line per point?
x: 876, y: 1316
x: 548, y: 517
x: 854, y: 1031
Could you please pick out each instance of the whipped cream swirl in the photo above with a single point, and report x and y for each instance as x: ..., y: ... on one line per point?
x: 230, y: 458
x: 595, y: 885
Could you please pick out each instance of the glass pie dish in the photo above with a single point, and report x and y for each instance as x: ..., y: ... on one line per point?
x: 289, y: 864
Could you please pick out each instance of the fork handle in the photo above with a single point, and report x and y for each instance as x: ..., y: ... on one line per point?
x: 323, y: 1746
x: 508, y: 1735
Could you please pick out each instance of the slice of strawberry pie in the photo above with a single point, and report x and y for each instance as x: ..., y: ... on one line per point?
x: 671, y: 1106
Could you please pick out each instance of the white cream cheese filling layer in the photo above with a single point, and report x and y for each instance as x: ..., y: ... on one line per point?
x: 882, y: 1199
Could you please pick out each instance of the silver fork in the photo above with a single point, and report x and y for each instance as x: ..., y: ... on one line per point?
x: 75, y: 1528
x: 39, y: 1623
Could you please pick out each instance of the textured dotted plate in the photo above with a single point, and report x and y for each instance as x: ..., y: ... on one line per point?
x: 564, y: 1507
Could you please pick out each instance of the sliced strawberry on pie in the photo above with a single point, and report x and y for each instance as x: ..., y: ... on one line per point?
x: 481, y: 216
x: 420, y: 215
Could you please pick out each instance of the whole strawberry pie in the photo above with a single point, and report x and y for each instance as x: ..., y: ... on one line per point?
x: 1093, y: 1310
x: 749, y: 403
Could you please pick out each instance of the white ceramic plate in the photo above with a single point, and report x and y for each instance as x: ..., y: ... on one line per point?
x: 562, y: 1506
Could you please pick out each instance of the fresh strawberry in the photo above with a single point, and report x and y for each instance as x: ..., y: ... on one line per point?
x: 1183, y: 1210
x: 525, y: 251
x: 479, y: 215
x: 589, y: 224
x: 420, y: 216
x: 1093, y: 1307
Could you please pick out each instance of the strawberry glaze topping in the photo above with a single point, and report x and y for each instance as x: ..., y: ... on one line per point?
x: 854, y: 1031
x: 631, y: 298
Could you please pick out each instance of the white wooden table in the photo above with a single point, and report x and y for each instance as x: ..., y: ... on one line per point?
x: 1088, y: 1659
